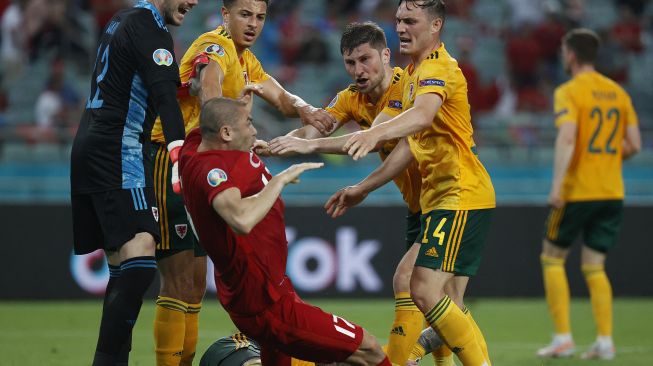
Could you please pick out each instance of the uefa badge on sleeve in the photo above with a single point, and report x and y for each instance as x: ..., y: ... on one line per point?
x: 216, y: 176
x: 162, y: 57
x: 215, y: 49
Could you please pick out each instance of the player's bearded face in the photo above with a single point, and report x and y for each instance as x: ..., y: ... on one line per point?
x: 174, y: 11
x: 365, y: 66
x: 245, y: 20
x: 413, y: 29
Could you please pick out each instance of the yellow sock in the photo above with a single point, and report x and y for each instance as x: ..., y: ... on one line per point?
x: 480, y: 339
x: 600, y: 296
x: 457, y: 332
x: 442, y: 356
x: 556, y: 289
x: 169, y: 330
x: 417, y: 352
x: 298, y: 362
x: 405, y: 330
x: 190, y: 338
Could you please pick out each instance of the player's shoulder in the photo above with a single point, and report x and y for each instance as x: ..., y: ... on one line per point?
x: 145, y: 16
x: 565, y: 86
x: 215, y: 42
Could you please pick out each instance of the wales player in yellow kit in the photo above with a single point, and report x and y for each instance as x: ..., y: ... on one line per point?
x: 218, y: 63
x: 373, y: 98
x: 597, y: 129
x: 456, y: 197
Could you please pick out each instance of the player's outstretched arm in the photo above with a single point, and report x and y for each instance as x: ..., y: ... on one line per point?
x: 415, y: 119
x: 350, y: 196
x: 293, y: 106
x: 242, y: 214
x: 564, y: 149
x: 302, y: 141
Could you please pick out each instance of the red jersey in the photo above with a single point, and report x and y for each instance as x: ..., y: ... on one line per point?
x: 249, y: 269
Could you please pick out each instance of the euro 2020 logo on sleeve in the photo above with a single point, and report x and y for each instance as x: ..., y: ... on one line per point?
x: 215, y: 49
x: 216, y: 176
x: 162, y: 57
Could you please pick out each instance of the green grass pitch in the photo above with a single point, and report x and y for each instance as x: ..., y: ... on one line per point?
x: 64, y: 333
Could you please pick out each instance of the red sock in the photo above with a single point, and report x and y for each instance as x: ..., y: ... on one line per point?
x: 385, y: 362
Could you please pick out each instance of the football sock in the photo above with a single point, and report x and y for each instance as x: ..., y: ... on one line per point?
x: 405, y: 330
x: 480, y: 339
x: 442, y: 356
x: 192, y: 329
x: 556, y: 289
x: 457, y: 332
x: 169, y: 330
x: 600, y: 296
x: 122, y: 306
x: 123, y: 357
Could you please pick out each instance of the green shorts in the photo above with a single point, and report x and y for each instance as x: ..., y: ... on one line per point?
x: 599, y: 221
x: 453, y: 241
x: 413, y: 227
x: 176, y: 232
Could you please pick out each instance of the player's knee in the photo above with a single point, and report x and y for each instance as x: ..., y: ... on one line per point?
x: 549, y: 249
x: 141, y: 245
x: 423, y: 296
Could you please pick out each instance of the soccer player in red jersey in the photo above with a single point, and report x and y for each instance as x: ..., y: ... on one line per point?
x: 235, y: 208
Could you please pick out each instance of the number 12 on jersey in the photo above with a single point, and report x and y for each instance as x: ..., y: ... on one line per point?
x: 103, y: 61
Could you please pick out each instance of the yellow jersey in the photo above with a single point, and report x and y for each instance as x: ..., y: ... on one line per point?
x: 602, y: 110
x: 452, y: 176
x: 351, y: 105
x: 217, y: 46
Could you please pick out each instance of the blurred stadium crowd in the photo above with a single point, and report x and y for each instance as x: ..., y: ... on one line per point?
x: 507, y: 49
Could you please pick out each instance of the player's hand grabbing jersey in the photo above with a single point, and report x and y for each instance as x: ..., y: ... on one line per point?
x: 351, y: 105
x: 453, y: 177
x: 602, y: 110
x: 252, y: 264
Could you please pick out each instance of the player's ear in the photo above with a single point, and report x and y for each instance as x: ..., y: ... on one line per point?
x: 385, y: 56
x: 436, y: 25
x: 225, y: 133
x: 225, y: 15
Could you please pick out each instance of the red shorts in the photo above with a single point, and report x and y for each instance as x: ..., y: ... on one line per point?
x: 291, y: 327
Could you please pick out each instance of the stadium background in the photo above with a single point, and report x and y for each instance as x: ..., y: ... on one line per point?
x: 508, y: 52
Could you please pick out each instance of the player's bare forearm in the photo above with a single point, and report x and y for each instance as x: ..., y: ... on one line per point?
x: 407, y: 123
x: 415, y: 119
x: 398, y: 160
x: 211, y: 77
x: 242, y: 214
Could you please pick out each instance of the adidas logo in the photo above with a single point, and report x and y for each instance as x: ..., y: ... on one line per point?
x: 431, y: 252
x: 398, y: 330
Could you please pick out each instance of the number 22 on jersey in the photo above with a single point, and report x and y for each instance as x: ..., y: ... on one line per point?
x: 611, y: 121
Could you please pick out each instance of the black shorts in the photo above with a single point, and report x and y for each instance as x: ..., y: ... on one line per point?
x: 107, y: 220
x: 598, y: 221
